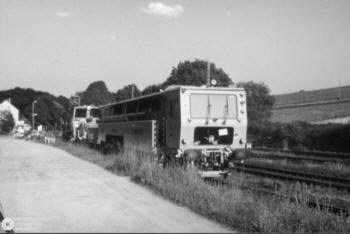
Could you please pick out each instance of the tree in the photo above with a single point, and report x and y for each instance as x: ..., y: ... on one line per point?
x: 97, y: 94
x: 6, y: 122
x: 195, y: 73
x: 152, y: 89
x: 259, y: 101
x: 126, y: 92
x: 22, y: 99
x: 49, y: 107
x: 49, y: 111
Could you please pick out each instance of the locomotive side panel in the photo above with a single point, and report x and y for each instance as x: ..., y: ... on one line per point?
x: 173, y: 120
x: 134, y: 135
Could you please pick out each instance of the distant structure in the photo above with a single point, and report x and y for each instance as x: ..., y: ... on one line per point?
x: 7, y: 106
x: 320, y: 106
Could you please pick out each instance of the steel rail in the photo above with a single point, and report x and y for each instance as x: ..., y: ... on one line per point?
x: 290, y: 156
x: 333, y: 205
x: 294, y: 175
x: 337, y: 155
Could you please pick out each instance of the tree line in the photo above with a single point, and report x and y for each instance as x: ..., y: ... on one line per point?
x: 259, y: 98
x: 53, y: 111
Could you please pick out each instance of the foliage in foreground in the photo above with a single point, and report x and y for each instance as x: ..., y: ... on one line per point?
x: 231, y: 206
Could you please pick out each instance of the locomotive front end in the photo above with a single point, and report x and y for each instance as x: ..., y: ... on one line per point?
x: 213, y: 128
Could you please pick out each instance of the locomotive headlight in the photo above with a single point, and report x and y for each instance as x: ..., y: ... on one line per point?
x: 248, y: 145
x: 76, y: 124
x: 184, y: 141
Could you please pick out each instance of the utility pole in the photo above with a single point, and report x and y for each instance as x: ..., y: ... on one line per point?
x: 208, y: 69
x: 132, y: 91
x: 208, y: 73
x: 339, y: 90
x: 33, y: 115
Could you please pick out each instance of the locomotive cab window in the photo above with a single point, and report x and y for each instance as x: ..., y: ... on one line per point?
x: 145, y: 105
x: 80, y: 113
x: 131, y: 107
x: 117, y: 109
x: 156, y: 104
x: 213, y: 106
x: 213, y: 136
x: 95, y: 113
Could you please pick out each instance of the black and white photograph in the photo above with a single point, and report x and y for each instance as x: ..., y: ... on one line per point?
x: 174, y: 116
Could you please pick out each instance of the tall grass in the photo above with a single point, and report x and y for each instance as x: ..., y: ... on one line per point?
x: 228, y: 205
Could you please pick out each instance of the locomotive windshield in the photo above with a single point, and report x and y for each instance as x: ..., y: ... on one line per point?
x: 213, y: 106
x: 80, y: 113
x: 95, y: 113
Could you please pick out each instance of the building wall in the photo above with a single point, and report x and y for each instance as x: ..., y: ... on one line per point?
x: 7, y: 106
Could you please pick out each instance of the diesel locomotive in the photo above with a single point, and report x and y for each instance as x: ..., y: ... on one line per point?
x: 204, y: 126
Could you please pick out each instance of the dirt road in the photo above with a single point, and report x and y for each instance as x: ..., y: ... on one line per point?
x: 44, y: 189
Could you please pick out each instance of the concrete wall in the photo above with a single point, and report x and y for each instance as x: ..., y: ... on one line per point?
x: 312, y: 113
x: 313, y: 96
x: 316, y: 106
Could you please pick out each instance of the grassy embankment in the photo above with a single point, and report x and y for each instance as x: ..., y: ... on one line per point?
x: 230, y: 205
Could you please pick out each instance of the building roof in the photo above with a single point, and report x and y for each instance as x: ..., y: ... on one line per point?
x: 7, y: 104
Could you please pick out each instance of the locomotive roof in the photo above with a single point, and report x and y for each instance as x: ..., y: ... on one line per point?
x: 175, y: 87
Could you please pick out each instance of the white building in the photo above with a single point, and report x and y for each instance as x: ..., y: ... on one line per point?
x: 7, y: 106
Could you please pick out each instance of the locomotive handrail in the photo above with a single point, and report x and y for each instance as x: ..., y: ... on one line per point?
x: 118, y: 117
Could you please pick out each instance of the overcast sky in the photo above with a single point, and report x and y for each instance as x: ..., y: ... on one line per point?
x: 62, y: 46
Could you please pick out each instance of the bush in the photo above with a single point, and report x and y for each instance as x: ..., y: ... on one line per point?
x: 330, y: 137
x: 301, y: 136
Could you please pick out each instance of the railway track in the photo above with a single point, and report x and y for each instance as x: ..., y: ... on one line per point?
x: 315, y: 156
x: 312, y: 153
x: 294, y: 175
x: 333, y: 205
